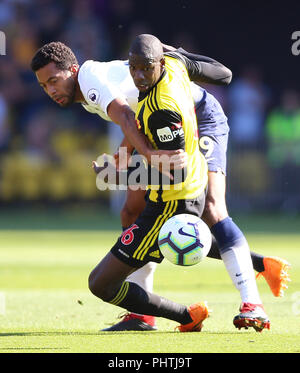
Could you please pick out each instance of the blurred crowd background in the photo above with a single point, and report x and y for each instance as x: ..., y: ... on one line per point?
x: 46, y: 151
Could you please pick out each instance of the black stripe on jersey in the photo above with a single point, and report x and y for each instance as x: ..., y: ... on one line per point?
x: 140, y: 118
x: 149, y: 101
x: 155, y: 97
x: 152, y: 100
x: 159, y: 194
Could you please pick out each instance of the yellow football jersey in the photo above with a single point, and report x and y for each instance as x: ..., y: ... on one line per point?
x: 166, y: 115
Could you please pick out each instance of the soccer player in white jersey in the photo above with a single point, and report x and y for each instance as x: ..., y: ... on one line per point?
x: 107, y: 89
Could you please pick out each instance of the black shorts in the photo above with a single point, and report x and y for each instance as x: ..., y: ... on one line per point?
x: 138, y: 244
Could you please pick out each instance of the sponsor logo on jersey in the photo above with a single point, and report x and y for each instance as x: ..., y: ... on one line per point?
x: 176, y: 126
x: 166, y: 134
x: 155, y: 254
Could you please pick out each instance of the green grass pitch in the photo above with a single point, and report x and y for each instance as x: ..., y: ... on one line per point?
x: 46, y: 307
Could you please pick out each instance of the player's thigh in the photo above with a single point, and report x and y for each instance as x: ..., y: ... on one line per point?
x: 215, y: 208
x: 216, y: 189
x: 214, y: 148
x: 135, y: 201
x: 139, y: 243
x: 133, y: 206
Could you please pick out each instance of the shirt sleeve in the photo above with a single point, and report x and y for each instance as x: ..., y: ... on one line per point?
x: 167, y: 132
x: 97, y: 90
x: 166, y: 129
x: 203, y: 69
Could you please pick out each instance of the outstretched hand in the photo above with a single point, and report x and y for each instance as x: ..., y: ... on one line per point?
x: 174, y: 159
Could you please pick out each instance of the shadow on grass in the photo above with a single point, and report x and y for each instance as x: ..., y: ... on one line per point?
x: 42, y: 334
x: 33, y: 348
x: 100, y: 333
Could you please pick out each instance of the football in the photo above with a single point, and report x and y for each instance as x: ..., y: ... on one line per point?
x: 184, y: 239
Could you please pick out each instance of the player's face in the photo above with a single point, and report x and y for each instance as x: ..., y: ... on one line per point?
x: 58, y: 84
x: 145, y: 73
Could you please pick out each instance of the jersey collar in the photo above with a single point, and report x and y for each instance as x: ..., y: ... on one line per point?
x: 142, y: 95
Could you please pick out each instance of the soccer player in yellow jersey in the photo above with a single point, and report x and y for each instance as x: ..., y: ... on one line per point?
x: 166, y: 116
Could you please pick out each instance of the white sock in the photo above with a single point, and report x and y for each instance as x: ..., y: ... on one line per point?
x: 239, y: 266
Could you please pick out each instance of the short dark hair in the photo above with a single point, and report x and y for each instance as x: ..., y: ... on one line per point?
x: 148, y: 46
x: 56, y: 52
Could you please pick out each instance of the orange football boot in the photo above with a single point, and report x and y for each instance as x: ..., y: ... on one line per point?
x: 276, y: 274
x: 198, y: 312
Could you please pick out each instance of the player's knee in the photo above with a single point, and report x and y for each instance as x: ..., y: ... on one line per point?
x: 100, y: 288
x: 214, y: 210
x: 210, y: 205
x: 93, y: 284
x: 97, y: 287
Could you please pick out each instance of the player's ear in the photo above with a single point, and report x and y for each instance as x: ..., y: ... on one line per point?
x: 162, y: 61
x: 74, y: 68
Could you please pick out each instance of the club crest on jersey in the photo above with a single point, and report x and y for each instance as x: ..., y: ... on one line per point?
x: 93, y: 96
x: 166, y: 134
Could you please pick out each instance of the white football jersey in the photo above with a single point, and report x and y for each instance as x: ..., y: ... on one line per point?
x: 103, y: 82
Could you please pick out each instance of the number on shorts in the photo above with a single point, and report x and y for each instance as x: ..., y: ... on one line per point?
x: 128, y: 236
x: 206, y: 143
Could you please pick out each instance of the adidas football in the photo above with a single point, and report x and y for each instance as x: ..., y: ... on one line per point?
x: 184, y: 239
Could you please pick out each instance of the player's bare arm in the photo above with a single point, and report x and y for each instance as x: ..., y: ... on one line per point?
x: 120, y: 113
x: 107, y: 170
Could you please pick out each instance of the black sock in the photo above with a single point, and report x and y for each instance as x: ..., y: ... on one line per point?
x: 214, y: 251
x: 135, y: 299
x: 257, y: 259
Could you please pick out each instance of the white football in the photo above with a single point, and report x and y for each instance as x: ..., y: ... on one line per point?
x: 184, y: 239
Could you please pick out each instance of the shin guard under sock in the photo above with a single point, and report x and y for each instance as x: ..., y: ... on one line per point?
x: 135, y: 299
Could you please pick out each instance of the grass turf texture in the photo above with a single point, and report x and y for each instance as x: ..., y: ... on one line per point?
x: 48, y: 308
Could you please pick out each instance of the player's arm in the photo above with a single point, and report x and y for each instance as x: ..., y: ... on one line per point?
x: 167, y: 132
x: 125, y: 148
x: 169, y: 156
x: 120, y: 113
x: 202, y: 69
x: 127, y: 145
x: 108, y: 173
x: 166, y: 129
x: 110, y: 100
x: 106, y: 170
